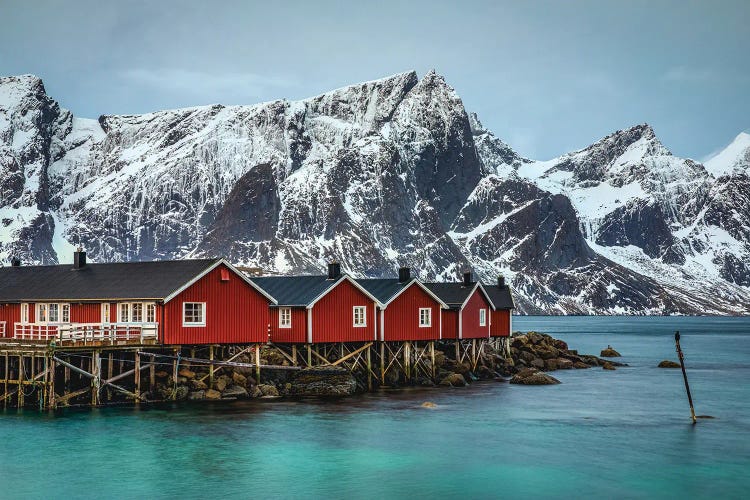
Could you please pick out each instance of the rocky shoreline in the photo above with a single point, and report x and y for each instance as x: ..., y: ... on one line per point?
x: 532, y: 357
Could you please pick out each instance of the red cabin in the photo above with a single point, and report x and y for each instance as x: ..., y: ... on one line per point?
x: 409, y: 310
x: 501, y: 316
x: 170, y: 302
x: 320, y: 308
x: 468, y: 316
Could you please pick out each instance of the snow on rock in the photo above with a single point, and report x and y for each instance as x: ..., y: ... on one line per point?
x: 378, y: 175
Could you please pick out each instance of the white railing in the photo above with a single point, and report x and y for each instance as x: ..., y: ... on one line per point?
x: 86, y: 332
x: 2, y: 329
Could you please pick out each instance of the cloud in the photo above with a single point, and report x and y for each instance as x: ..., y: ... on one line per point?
x: 198, y: 83
x: 682, y: 74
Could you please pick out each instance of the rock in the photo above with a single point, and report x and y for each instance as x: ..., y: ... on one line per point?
x: 198, y: 385
x: 550, y: 364
x: 538, y: 363
x: 608, y: 366
x: 181, y: 392
x: 580, y: 365
x: 268, y: 390
x: 531, y: 376
x: 187, y: 374
x: 428, y: 404
x: 220, y: 384
x: 560, y: 345
x: 462, y: 368
x: 239, y: 379
x: 527, y: 356
x: 323, y: 381
x: 236, y: 391
x: 212, y: 394
x: 161, y: 374
x: 609, y: 353
x: 564, y: 364
x: 668, y: 364
x: 196, y: 395
x: 548, y: 353
x: 454, y: 380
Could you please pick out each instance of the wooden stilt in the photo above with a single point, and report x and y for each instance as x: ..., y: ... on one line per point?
x: 257, y: 363
x: 432, y: 359
x: 458, y: 351
x: 152, y: 379
x: 309, y: 355
x: 369, y: 368
x: 294, y: 354
x: 110, y: 373
x: 5, y: 381
x: 52, y: 404
x: 211, y: 367
x: 137, y: 377
x: 407, y: 360
x: 382, y: 362
x: 20, y: 381
x: 96, y: 372
x: 474, y: 359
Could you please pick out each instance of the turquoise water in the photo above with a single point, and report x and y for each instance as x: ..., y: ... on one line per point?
x: 621, y: 434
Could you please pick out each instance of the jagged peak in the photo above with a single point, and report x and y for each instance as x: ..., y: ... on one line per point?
x: 735, y: 156
x: 15, y: 87
x: 407, y: 78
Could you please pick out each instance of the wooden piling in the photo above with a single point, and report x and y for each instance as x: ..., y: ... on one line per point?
x: 211, y: 367
x: 137, y: 377
x: 369, y: 369
x: 257, y: 363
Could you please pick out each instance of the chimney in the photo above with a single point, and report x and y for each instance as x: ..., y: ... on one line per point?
x: 404, y: 274
x: 500, y: 281
x: 467, y: 278
x: 15, y: 262
x: 79, y: 259
x: 334, y: 270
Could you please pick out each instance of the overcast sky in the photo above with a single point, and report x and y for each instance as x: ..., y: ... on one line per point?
x: 545, y: 76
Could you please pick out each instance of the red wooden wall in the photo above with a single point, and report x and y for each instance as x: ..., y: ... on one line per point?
x: 296, y: 334
x: 10, y: 313
x: 470, y: 328
x: 235, y: 312
x: 450, y: 324
x: 401, y: 317
x: 500, y: 323
x: 332, y: 316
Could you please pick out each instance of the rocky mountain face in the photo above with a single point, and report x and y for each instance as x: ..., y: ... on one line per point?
x: 378, y: 175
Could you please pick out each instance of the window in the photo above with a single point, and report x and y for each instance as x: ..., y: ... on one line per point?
x: 41, y: 313
x: 105, y: 313
x: 150, y: 313
x: 24, y: 313
x: 224, y: 274
x: 285, y: 317
x: 425, y: 317
x: 136, y: 312
x: 193, y: 314
x: 123, y: 312
x: 53, y: 313
x: 65, y: 313
x: 483, y: 317
x: 360, y: 318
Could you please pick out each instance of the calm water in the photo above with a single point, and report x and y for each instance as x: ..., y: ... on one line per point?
x: 621, y: 434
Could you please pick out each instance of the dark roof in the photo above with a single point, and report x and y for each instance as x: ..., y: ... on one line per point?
x: 117, y: 281
x: 294, y: 290
x: 383, y: 289
x: 501, y: 298
x: 453, y: 294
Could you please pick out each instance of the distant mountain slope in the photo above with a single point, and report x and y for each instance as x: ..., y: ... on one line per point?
x: 379, y: 174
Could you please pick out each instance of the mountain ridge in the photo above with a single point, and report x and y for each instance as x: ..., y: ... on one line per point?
x: 379, y: 174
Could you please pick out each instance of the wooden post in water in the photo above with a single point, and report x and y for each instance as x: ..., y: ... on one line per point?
x: 684, y: 374
x: 257, y: 364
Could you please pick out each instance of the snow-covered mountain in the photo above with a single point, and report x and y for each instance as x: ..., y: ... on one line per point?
x: 379, y: 174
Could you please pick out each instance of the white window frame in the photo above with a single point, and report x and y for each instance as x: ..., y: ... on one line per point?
x: 123, y: 318
x: 285, y: 317
x: 65, y: 313
x: 25, y: 313
x: 483, y: 317
x: 149, y: 312
x: 363, y: 311
x: 61, y: 309
x: 38, y: 313
x: 194, y: 323
x: 141, y: 309
x: 54, y: 306
x: 106, y: 312
x: 427, y: 310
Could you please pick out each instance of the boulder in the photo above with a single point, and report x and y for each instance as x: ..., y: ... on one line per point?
x: 181, y: 392
x: 531, y: 376
x: 268, y: 390
x: 220, y: 384
x: 198, y: 385
x: 550, y: 364
x: 186, y: 373
x: 526, y: 356
x: 537, y: 363
x: 609, y: 353
x: 239, y: 379
x: 548, y: 353
x: 161, y: 374
x: 608, y: 366
x: 323, y: 381
x: 454, y: 380
x: 212, y: 394
x: 580, y: 365
x: 429, y: 404
x: 196, y: 395
x: 564, y: 364
x: 236, y: 391
x: 669, y: 364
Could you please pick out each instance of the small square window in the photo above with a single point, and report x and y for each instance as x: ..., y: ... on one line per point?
x: 193, y: 314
